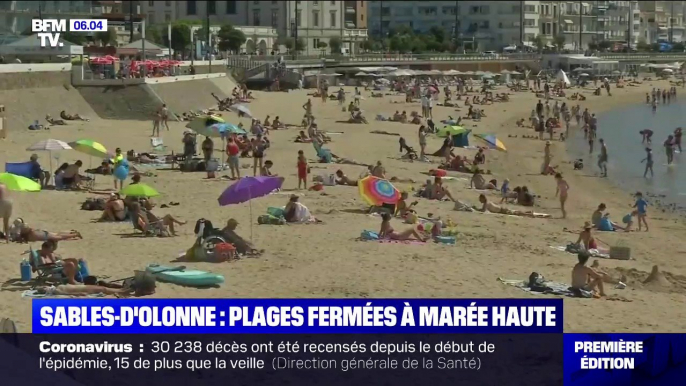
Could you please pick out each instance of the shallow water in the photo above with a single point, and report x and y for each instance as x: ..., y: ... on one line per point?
x: 620, y: 130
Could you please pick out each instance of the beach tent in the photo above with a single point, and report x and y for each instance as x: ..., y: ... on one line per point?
x: 450, y: 130
x: 31, y: 46
x: 562, y: 77
x: 461, y: 139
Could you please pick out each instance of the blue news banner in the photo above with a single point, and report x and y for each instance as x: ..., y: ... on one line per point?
x: 329, y: 342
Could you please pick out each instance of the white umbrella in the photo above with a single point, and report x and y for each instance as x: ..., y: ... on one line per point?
x: 451, y: 72
x: 49, y: 145
x: 241, y: 109
x: 515, y: 73
x: 668, y: 70
x: 362, y: 74
x: 505, y: 72
x: 583, y: 74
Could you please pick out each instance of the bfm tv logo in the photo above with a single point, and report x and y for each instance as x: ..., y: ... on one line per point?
x: 49, y: 31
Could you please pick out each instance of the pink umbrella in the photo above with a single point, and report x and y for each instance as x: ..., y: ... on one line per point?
x: 112, y: 58
x: 100, y: 60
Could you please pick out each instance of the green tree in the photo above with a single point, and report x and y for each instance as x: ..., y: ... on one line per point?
x: 322, y: 45
x: 230, y: 38
x: 559, y: 41
x: 335, y: 44
x: 418, y: 44
x: 295, y: 45
x: 367, y: 45
x: 437, y: 33
x: 539, y: 42
x: 181, y: 36
x: 108, y: 37
x: 74, y: 37
x: 153, y: 34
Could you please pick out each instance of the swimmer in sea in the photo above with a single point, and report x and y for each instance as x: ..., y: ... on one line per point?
x: 669, y: 149
x: 649, y: 162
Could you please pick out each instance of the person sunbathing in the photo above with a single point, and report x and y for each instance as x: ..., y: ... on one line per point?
x: 266, y: 122
x: 387, y: 231
x: 586, y: 278
x: 28, y: 234
x: 459, y: 164
x: 402, y: 208
x: 479, y: 182
x: 70, y: 117
x: 342, y: 179
x: 277, y: 124
x: 115, y: 209
x: 242, y: 246
x: 70, y: 267
x: 82, y: 290
x: 396, y: 117
x: 488, y: 206
x: 403, y: 117
x: 148, y: 222
x: 53, y: 121
x: 439, y: 192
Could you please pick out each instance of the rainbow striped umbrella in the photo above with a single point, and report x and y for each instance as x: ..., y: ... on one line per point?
x: 90, y: 147
x: 377, y: 191
x: 492, y: 141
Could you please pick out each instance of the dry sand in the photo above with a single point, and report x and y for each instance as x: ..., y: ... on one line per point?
x: 326, y: 261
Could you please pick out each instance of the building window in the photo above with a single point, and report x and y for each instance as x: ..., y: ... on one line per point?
x: 167, y: 17
x: 255, y: 17
x: 190, y: 8
x: 315, y: 3
x: 427, y: 11
x: 315, y: 18
x: 315, y: 43
x: 449, y: 10
x: 362, y: 17
x: 274, y: 2
x: 151, y: 3
x: 333, y: 19
x: 275, y: 18
x: 333, y: 3
x: 151, y: 17
x: 212, y: 7
x: 167, y: 3
x: 298, y: 17
x: 230, y: 7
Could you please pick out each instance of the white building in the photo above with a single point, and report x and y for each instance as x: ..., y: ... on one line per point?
x: 490, y: 25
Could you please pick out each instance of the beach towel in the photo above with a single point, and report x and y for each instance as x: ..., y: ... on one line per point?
x: 35, y: 295
x: 374, y: 237
x: 574, y: 249
x: 549, y: 288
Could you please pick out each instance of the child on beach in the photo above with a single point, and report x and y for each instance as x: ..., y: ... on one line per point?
x: 641, y: 206
x: 302, y: 169
x: 504, y: 190
x: 561, y: 191
x: 649, y: 162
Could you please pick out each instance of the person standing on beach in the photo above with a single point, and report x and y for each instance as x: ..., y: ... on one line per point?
x: 422, y: 143
x: 602, y: 158
x: 669, y: 149
x: 649, y: 162
x: 562, y: 191
x: 164, y: 113
x: 677, y: 138
x: 5, y: 211
x: 539, y: 108
x: 547, y: 157
x: 641, y: 206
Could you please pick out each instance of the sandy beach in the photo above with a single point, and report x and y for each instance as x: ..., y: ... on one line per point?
x: 325, y: 260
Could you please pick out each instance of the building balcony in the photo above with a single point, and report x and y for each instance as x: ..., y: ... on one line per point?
x: 350, y: 10
x: 355, y: 34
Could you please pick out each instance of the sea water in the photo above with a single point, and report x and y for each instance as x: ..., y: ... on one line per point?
x: 620, y: 129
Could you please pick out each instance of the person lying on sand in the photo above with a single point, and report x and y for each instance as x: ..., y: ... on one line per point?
x: 52, y: 121
x: 70, y: 267
x: 28, y: 234
x: 387, y: 231
x: 243, y: 247
x: 115, y: 209
x: 586, y: 278
x: 70, y: 117
x: 488, y: 206
x: 81, y: 290
x: 342, y: 179
x: 478, y: 182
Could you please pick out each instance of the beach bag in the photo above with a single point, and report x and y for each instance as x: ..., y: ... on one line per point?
x: 620, y: 251
x: 223, y: 252
x: 276, y: 212
x: 369, y: 235
x: 266, y: 219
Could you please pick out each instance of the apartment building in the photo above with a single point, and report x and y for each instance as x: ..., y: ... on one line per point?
x: 661, y: 21
x: 487, y: 25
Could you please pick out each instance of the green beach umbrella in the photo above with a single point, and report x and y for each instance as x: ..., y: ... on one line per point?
x: 19, y: 183
x: 90, y: 147
x: 139, y: 190
x: 450, y: 131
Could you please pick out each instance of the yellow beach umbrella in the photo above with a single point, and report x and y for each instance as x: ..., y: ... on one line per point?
x: 19, y: 183
x: 139, y: 190
x: 450, y: 131
x: 492, y: 141
x: 90, y: 147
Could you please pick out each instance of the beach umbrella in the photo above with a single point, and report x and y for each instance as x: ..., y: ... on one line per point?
x: 449, y: 131
x: 49, y: 145
x: 506, y: 72
x: 668, y: 70
x: 201, y: 122
x: 377, y: 191
x: 241, y: 110
x: 515, y: 73
x: 139, y: 190
x: 492, y: 141
x: 90, y: 147
x: 18, y: 183
x: 248, y: 188
x: 220, y: 130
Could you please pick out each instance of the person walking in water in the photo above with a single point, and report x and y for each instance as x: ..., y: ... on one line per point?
x: 562, y: 190
x: 602, y: 158
x: 649, y: 162
x: 669, y: 149
x: 591, y: 140
x: 677, y: 138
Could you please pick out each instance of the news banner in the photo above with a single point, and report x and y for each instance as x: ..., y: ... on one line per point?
x: 329, y: 341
